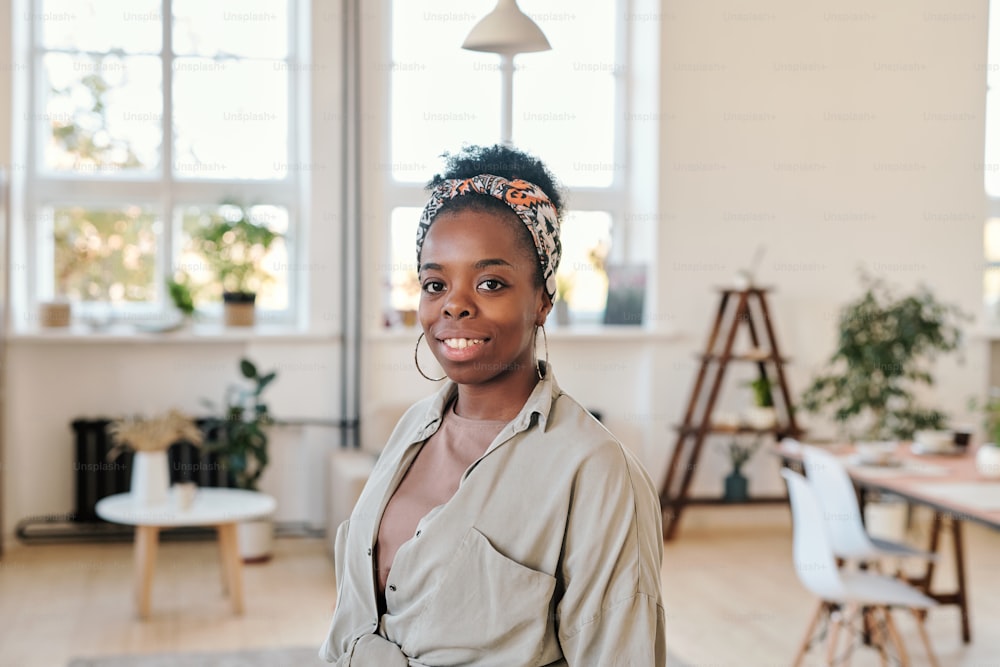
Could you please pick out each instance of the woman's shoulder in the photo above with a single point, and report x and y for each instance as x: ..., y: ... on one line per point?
x: 574, y: 429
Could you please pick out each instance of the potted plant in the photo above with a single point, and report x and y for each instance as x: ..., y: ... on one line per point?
x: 761, y: 415
x: 149, y: 439
x: 179, y: 290
x: 880, y: 361
x: 988, y: 453
x: 736, y: 485
x: 234, y: 243
x: 239, y: 436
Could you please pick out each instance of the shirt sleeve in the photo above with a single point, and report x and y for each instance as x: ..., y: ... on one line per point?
x: 611, y: 610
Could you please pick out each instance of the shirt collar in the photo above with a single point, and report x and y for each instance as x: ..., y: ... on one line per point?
x: 539, y: 402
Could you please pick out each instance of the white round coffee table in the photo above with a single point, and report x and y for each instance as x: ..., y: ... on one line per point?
x: 221, y: 508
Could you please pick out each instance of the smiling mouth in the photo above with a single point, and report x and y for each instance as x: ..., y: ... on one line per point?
x: 462, y: 343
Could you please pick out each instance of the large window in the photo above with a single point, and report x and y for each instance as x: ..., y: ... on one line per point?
x: 569, y: 107
x: 147, y: 118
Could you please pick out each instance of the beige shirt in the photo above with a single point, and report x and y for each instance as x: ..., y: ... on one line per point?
x: 548, y: 553
x: 432, y: 480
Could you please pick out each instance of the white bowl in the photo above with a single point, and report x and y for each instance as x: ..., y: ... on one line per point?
x: 935, y: 441
x: 875, y: 453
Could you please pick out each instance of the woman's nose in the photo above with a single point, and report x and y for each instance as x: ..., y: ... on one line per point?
x: 458, y: 305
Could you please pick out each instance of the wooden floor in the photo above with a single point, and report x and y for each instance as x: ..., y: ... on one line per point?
x: 730, y: 595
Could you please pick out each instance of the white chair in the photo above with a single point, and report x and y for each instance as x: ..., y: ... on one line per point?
x: 842, y: 514
x: 845, y: 596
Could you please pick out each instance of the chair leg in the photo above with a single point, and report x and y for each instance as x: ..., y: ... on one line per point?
x: 876, y: 635
x: 924, y: 639
x: 851, y: 611
x: 804, y: 645
x: 890, y: 625
x: 836, y: 620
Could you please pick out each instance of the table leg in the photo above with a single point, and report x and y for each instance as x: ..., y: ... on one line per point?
x: 146, y: 538
x: 233, y: 566
x: 961, y: 594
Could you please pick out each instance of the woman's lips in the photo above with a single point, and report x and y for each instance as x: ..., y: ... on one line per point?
x: 462, y: 349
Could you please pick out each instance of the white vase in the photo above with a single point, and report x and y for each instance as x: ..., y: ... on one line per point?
x: 988, y: 460
x: 150, y: 478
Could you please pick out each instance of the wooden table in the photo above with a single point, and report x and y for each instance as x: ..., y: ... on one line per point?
x: 220, y: 508
x: 948, y: 484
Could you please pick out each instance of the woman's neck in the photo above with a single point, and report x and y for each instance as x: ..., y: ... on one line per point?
x: 496, y: 400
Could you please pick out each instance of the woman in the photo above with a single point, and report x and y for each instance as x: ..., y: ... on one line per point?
x: 502, y: 524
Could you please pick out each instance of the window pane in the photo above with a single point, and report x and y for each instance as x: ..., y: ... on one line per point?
x: 198, y: 265
x: 441, y: 95
x: 101, y: 26
x: 104, y: 254
x: 231, y: 119
x: 568, y: 93
x: 581, y: 280
x: 405, y: 287
x: 102, y: 113
x: 256, y: 28
x: 991, y: 163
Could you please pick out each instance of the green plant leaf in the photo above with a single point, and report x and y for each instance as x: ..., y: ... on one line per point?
x: 248, y: 369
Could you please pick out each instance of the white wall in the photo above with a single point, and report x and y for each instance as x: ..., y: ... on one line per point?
x: 840, y: 135
x: 836, y: 134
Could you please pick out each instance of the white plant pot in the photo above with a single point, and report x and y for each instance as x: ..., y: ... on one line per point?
x: 988, y: 460
x: 255, y: 540
x: 150, y: 478
x: 761, y: 418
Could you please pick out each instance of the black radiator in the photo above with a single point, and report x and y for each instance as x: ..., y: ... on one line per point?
x: 97, y: 476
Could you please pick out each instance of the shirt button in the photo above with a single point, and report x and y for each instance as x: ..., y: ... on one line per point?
x: 418, y: 533
x: 392, y: 587
x: 369, y: 552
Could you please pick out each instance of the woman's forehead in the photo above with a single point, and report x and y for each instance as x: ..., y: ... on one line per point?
x: 470, y: 230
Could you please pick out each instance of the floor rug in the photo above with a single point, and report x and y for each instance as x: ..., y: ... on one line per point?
x: 274, y: 657
x: 271, y: 657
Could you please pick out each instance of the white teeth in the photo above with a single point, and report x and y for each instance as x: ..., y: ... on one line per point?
x: 462, y: 343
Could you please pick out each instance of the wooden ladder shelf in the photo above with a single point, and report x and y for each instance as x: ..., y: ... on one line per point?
x: 738, y: 307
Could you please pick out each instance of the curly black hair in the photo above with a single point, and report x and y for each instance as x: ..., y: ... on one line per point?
x: 500, y: 160
x: 507, y: 162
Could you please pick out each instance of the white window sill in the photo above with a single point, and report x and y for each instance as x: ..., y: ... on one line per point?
x: 572, y: 333
x: 193, y: 333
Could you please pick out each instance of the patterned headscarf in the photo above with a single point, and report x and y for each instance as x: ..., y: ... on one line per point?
x: 526, y: 199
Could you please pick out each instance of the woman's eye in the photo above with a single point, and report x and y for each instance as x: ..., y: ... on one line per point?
x: 491, y: 285
x: 433, y: 286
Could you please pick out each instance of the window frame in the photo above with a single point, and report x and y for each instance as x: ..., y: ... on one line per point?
x: 160, y: 189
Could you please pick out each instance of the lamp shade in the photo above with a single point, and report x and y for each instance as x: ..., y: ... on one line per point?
x: 506, y: 30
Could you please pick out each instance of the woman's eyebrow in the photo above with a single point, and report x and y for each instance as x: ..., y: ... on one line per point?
x: 481, y: 264
x: 484, y: 263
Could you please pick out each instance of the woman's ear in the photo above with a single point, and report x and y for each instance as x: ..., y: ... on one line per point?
x: 544, y: 309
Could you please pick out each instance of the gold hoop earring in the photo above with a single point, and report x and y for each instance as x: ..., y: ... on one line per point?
x: 416, y: 361
x: 545, y: 339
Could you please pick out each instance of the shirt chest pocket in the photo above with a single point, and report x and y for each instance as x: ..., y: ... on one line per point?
x: 487, y: 609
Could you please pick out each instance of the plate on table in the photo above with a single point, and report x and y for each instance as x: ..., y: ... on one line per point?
x: 874, y: 462
x: 923, y: 450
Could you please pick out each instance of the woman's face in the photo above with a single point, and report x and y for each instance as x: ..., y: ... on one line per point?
x: 479, y: 303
